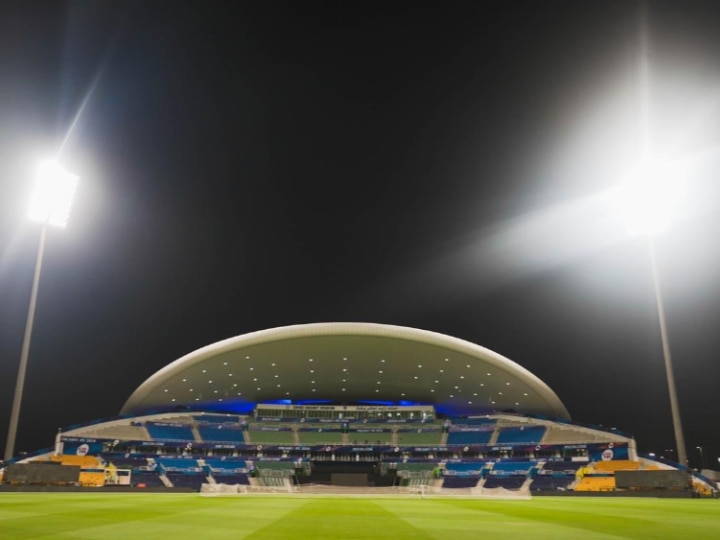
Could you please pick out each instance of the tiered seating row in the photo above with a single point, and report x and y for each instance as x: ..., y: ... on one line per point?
x: 469, y: 437
x: 221, y: 433
x: 512, y: 467
x: 514, y: 481
x: 420, y: 436
x: 170, y: 432
x: 526, y: 435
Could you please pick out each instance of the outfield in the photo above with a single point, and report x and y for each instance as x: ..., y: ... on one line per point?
x: 181, y: 516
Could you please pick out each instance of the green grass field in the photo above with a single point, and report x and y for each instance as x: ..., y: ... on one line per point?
x: 169, y: 517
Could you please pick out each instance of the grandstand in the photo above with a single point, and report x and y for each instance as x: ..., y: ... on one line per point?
x: 351, y: 406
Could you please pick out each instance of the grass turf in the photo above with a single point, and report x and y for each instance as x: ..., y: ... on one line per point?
x: 179, y: 516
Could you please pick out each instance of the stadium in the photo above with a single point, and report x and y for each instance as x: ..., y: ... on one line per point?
x: 349, y: 408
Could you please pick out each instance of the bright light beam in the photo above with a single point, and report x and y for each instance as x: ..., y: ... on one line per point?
x: 53, y: 195
x: 651, y: 197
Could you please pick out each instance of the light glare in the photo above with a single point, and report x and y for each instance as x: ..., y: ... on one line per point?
x: 648, y: 200
x: 53, y: 195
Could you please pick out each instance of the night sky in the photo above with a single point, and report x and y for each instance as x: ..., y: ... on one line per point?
x: 438, y: 165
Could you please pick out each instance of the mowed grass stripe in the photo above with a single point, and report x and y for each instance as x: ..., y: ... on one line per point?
x: 454, y: 521
x: 624, y: 518
x: 340, y: 518
x: 95, y: 516
x: 142, y: 516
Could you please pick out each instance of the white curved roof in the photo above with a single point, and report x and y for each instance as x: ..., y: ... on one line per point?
x: 347, y: 363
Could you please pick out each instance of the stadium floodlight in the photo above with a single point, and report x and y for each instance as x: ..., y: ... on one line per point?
x: 649, y: 200
x: 53, y: 195
x: 50, y: 206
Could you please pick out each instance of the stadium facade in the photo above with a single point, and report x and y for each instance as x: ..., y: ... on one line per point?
x: 354, y: 404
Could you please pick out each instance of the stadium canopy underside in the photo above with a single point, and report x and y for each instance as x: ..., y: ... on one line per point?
x: 346, y: 363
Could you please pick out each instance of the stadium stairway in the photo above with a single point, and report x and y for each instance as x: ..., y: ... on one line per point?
x: 494, y: 436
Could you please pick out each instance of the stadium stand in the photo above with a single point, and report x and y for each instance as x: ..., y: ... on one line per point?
x: 510, y: 467
x: 219, y: 418
x: 460, y: 482
x: 521, y: 435
x: 125, y: 432
x: 147, y: 478
x: 320, y: 435
x: 366, y: 435
x: 182, y: 464
x: 225, y: 465
x: 169, y: 432
x: 259, y: 434
x: 513, y: 481
x: 552, y: 482
x: 419, y: 436
x: 221, y: 433
x: 567, y: 467
x: 187, y: 479
x: 464, y: 468
x: 231, y: 479
x: 469, y: 436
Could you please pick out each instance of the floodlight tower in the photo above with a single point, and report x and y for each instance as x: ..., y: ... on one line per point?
x: 649, y: 198
x: 49, y: 206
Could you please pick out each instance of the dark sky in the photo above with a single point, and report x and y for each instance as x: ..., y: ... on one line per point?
x: 437, y: 165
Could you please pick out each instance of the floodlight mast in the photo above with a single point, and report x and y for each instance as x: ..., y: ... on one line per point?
x: 674, y: 405
x: 657, y: 219
x: 50, y: 205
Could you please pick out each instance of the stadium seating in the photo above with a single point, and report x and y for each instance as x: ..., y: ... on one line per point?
x: 512, y: 467
x: 221, y: 433
x: 460, y: 436
x: 526, y: 435
x: 568, y: 435
x: 178, y: 464
x: 287, y: 466
x: 420, y: 436
x: 271, y: 435
x: 231, y: 479
x: 458, y: 482
x: 568, y: 467
x: 170, y: 432
x: 122, y: 461
x: 551, y: 482
x: 192, y: 480
x: 513, y: 481
x: 464, y: 469
x: 478, y: 421
x: 225, y: 465
x: 126, y: 432
x: 218, y: 418
x: 147, y: 478
x: 320, y: 436
x: 362, y: 436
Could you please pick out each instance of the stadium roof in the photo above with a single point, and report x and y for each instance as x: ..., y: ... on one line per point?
x: 346, y: 363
